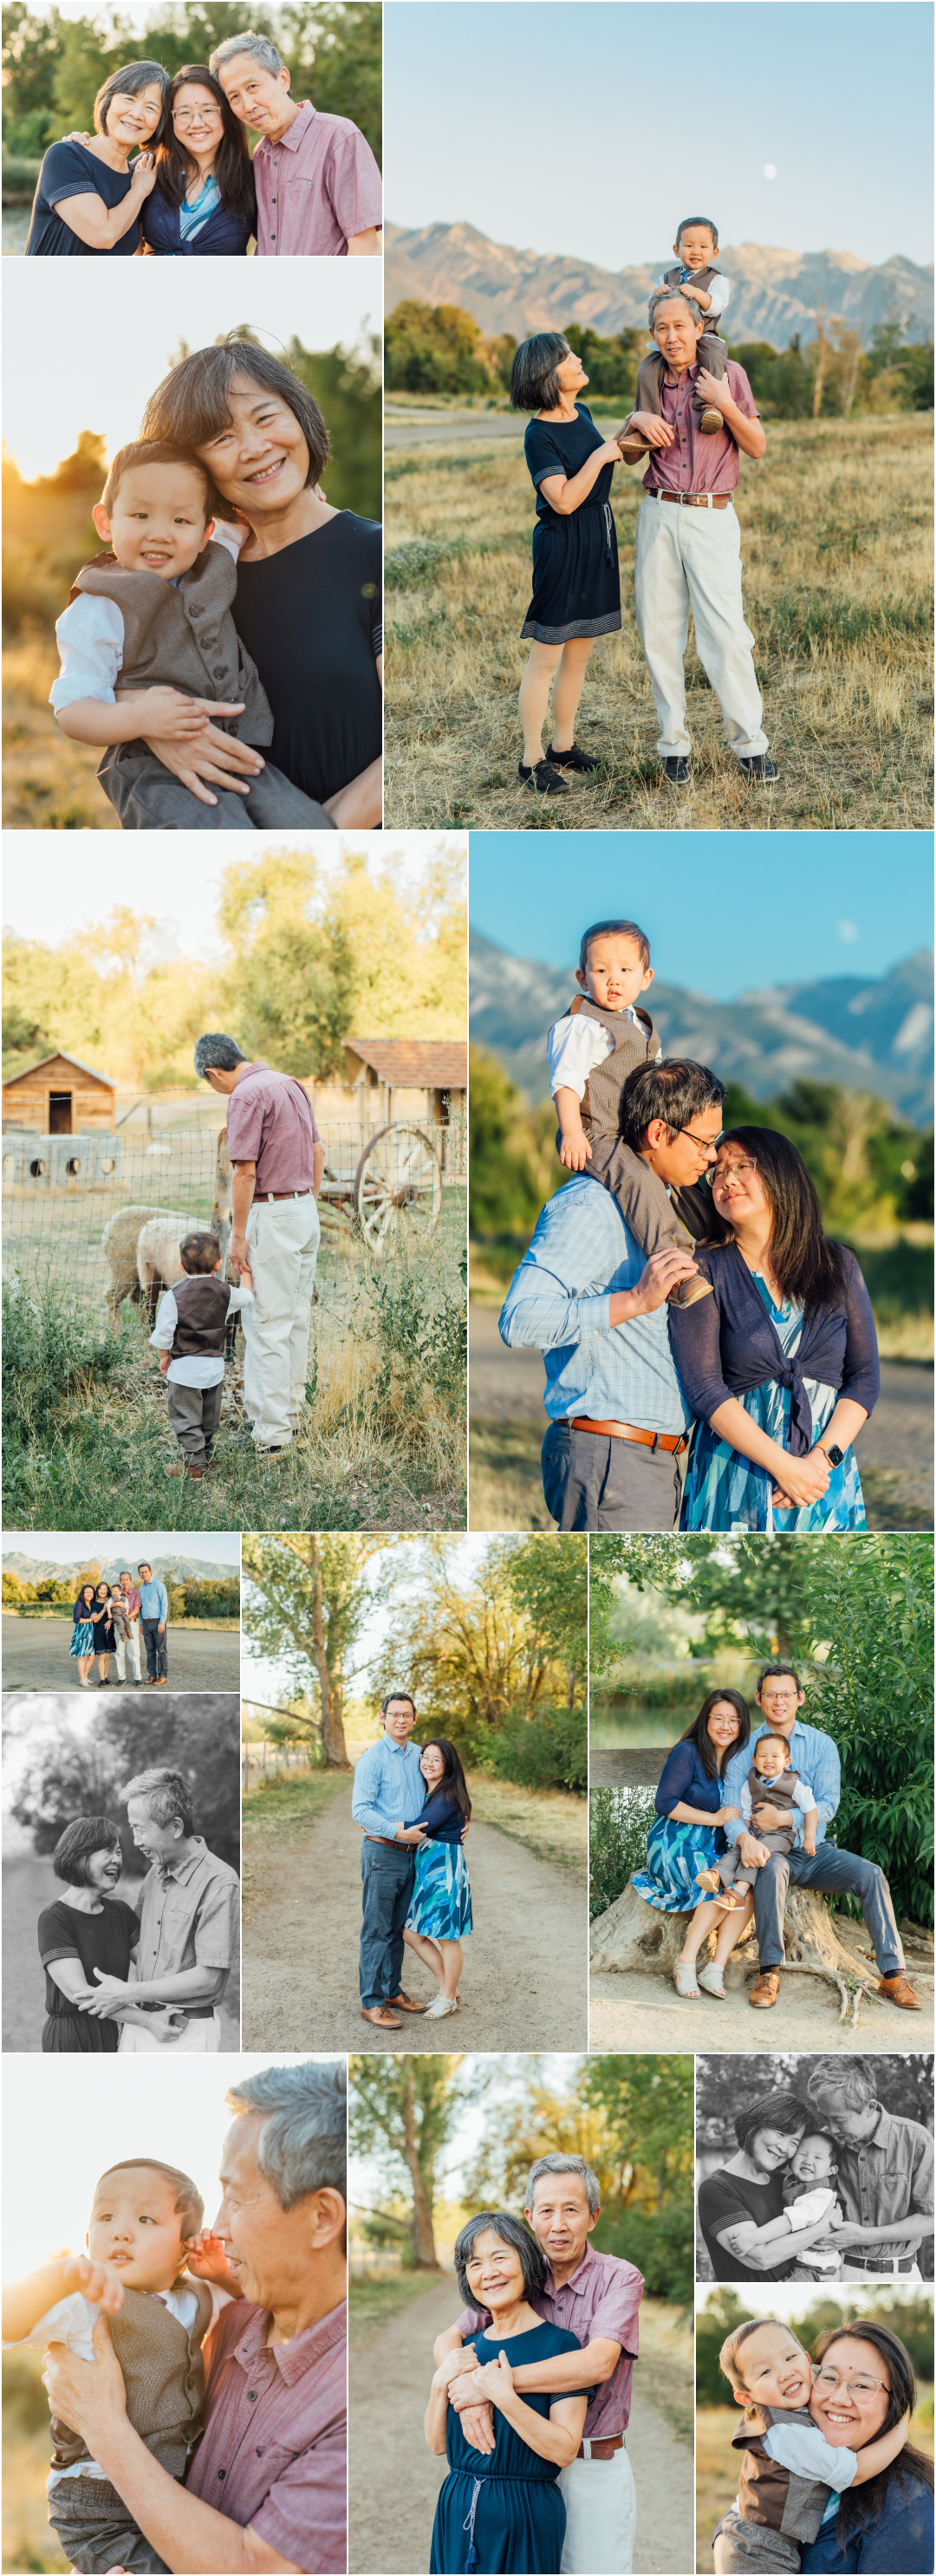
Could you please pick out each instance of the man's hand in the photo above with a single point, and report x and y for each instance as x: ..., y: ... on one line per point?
x: 164, y: 1360
x: 657, y: 432
x: 575, y: 1151
x: 160, y: 1626
x: 754, y: 1855
x: 238, y: 1254
x: 660, y: 1275
x: 99, y: 2282
x: 88, y: 2395
x: 111, y: 1993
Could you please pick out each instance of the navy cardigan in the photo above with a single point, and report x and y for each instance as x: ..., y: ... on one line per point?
x: 683, y: 1782
x: 727, y: 1344
x: 442, y: 1819
x: 223, y: 236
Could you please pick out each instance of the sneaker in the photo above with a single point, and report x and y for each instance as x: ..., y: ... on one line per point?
x: 543, y: 778
x: 760, y: 771
x: 679, y: 771
x: 711, y: 421
x: 574, y: 758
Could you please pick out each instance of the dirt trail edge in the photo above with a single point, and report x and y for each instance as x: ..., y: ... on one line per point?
x: 394, y: 2481
x: 524, y: 1984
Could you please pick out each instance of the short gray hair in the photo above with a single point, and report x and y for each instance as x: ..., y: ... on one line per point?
x: 303, y: 2141
x: 168, y: 1797
x: 217, y: 1054
x: 560, y: 2165
x: 674, y: 295
x: 260, y: 48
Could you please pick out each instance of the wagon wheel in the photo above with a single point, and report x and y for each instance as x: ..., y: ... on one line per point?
x: 397, y: 1187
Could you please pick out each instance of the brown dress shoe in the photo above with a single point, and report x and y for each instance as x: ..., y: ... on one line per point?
x: 766, y: 1990
x: 378, y: 2012
x: 404, y: 2003
x: 897, y: 1991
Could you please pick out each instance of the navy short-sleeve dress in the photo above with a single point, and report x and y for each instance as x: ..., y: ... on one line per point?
x: 70, y: 170
x: 104, y: 1941
x: 502, y: 2510
x: 576, y: 577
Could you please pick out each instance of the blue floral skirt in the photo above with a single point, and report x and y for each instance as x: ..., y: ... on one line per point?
x: 674, y: 1853
x: 441, y: 1902
x: 83, y: 1639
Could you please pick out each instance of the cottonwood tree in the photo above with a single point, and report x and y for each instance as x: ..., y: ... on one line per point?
x: 304, y: 1602
x: 402, y: 2111
x: 478, y: 1649
x: 631, y: 2120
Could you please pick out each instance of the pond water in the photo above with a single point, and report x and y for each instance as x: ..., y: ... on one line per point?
x: 618, y: 1721
x: 16, y: 223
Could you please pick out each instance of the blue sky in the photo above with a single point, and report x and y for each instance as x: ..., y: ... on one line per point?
x: 722, y: 911
x: 554, y: 126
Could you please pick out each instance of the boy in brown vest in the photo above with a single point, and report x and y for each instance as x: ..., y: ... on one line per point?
x: 148, y: 636
x: 791, y: 2477
x: 696, y: 273
x: 772, y: 1778
x: 144, y: 2218
x: 189, y: 1337
x: 602, y: 1038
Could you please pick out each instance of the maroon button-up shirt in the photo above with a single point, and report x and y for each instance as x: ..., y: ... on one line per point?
x: 270, y: 1123
x: 697, y: 461
x: 317, y: 186
x: 273, y: 2451
x: 602, y: 2299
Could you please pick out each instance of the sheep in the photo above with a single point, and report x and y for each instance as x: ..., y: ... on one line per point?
x: 143, y: 1251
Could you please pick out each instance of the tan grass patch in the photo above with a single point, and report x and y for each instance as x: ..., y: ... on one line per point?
x: 49, y: 783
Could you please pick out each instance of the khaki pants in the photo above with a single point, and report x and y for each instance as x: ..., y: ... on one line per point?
x: 692, y: 559
x: 601, y: 2515
x: 283, y: 1241
x: 129, y: 1646
x: 198, y: 2039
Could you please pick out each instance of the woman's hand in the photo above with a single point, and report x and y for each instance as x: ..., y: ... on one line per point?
x: 143, y: 174
x: 610, y: 453
x: 728, y: 1816
x: 805, y: 1480
x: 99, y: 2282
x: 410, y: 1834
x: 218, y: 760
x: 658, y: 432
x: 494, y: 2379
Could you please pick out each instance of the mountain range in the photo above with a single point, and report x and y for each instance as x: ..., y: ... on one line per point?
x: 170, y: 1569
x: 874, y: 1036
x: 774, y: 293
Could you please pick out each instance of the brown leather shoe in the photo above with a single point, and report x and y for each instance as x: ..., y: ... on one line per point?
x: 766, y: 1990
x: 634, y: 448
x: 404, y: 2003
x: 897, y: 1991
x: 378, y: 2013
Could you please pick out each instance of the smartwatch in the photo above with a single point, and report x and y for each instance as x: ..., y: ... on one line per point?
x: 834, y: 1455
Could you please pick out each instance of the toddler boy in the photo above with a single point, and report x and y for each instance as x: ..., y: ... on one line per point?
x: 696, y: 270
x: 770, y: 1781
x: 189, y: 1337
x: 600, y: 1040
x: 791, y: 2477
x: 149, y: 638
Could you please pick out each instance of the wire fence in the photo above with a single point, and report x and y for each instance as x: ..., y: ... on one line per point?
x: 268, y: 1761
x: 97, y: 1218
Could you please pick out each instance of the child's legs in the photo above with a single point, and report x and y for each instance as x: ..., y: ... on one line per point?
x: 273, y: 799
x: 567, y: 689
x: 641, y: 1197
x: 211, y: 1414
x: 96, y: 2532
x: 146, y: 797
x: 649, y: 379
x: 741, y: 2545
x: 534, y: 698
x: 712, y: 353
x: 185, y: 1415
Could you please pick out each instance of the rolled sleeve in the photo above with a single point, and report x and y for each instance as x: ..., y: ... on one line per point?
x: 921, y: 2201
x: 303, y: 2517
x: 214, y: 1932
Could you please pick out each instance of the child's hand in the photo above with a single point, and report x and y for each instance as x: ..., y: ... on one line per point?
x: 246, y: 1278
x: 179, y: 719
x: 206, y: 2259
x: 164, y: 1359
x: 575, y: 1151
x: 99, y: 2282
x: 809, y: 1847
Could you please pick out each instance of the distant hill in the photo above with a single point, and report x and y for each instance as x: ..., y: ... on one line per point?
x: 875, y: 1036
x: 774, y: 293
x: 170, y: 1569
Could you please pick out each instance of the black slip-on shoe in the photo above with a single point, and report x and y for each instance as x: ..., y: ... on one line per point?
x: 678, y: 771
x: 543, y: 778
x: 574, y: 758
x: 760, y: 771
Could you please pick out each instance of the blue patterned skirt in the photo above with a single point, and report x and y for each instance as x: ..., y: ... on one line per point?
x: 83, y: 1639
x: 674, y: 1853
x: 441, y: 1905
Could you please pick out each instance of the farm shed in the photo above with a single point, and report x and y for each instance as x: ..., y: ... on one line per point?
x: 61, y: 1097
x: 419, y: 1079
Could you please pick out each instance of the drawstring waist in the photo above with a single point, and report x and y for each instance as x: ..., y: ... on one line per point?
x: 523, y: 2477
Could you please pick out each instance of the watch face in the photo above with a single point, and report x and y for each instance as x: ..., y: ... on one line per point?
x: 835, y: 1455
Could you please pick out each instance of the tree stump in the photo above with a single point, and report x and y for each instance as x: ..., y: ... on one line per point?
x: 633, y: 1936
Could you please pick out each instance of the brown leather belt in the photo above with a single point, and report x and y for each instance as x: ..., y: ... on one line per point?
x: 626, y: 1431
x: 284, y: 1194
x: 696, y: 500
x: 602, y: 2450
x: 389, y: 1841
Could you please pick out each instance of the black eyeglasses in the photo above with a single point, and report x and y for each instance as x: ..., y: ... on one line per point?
x: 706, y: 1144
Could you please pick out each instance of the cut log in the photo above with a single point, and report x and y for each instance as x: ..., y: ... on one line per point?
x: 633, y: 1937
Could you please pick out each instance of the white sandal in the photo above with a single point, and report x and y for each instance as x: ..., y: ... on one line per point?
x: 681, y: 1971
x: 712, y: 1981
x: 440, y: 2009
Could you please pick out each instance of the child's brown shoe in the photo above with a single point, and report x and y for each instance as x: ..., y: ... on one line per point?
x: 707, y: 1878
x: 687, y: 1292
x: 711, y: 420
x: 633, y: 447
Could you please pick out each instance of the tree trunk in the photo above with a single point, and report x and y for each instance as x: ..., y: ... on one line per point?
x: 333, y: 1742
x: 424, y: 2250
x: 633, y: 1936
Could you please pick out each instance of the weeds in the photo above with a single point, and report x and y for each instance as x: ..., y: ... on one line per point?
x: 620, y: 1820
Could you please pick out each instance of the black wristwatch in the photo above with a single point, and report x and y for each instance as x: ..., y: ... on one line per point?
x: 834, y: 1455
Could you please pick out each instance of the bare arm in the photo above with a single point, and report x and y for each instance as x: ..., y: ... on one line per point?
x: 182, y: 720
x: 101, y: 227
x: 760, y: 2251
x: 566, y: 492
x: 575, y: 1150
x: 875, y: 2456
x: 555, y: 2436
x: 25, y: 2301
x: 683, y: 1815
x: 189, y: 1985
x: 435, y: 2420
x: 366, y: 245
x: 359, y: 806
x: 805, y: 1480
x: 242, y: 1196
x: 749, y: 435
x: 571, y: 2371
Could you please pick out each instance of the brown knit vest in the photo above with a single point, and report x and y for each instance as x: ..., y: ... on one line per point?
x: 201, y: 1305
x: 774, y: 1793
x: 184, y: 639
x: 601, y: 1099
x: 164, y: 2377
x: 773, y: 2496
x: 703, y: 277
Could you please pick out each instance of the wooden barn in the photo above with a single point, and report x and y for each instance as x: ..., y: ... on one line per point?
x: 60, y: 1097
x: 424, y: 1080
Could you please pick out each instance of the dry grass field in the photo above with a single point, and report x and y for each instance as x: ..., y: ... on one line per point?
x: 49, y: 783
x: 835, y: 529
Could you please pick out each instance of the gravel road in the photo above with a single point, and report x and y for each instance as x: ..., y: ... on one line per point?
x: 36, y: 1657
x: 394, y: 2481
x: 524, y: 1984
x: 634, y: 2014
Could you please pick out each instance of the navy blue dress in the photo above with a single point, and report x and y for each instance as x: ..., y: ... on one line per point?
x: 502, y: 2511
x: 106, y: 1941
x: 70, y: 170
x: 576, y: 579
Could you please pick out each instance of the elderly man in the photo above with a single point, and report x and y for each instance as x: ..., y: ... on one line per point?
x: 884, y: 2171
x: 278, y: 1159
x: 688, y: 548
x: 597, y: 2298
x: 318, y: 185
x: 189, y: 1909
x: 585, y: 1296
x: 265, y: 2488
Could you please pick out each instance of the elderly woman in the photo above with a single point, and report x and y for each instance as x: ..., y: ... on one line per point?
x: 88, y: 1933
x: 688, y: 1835
x: 512, y: 2518
x: 204, y: 203
x: 781, y: 1362
x: 738, y: 2204
x: 88, y: 201
x: 308, y: 602
x: 576, y: 582
x: 688, y: 547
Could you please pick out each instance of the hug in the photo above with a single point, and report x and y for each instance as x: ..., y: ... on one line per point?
x: 828, y: 2478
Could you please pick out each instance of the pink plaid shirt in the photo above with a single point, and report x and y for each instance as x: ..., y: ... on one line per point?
x: 698, y: 461
x: 601, y: 2301
x: 272, y: 2453
x: 317, y: 185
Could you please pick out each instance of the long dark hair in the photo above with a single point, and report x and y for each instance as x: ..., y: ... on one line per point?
x: 176, y: 165
x: 453, y: 1783
x: 808, y: 1267
x: 81, y: 1604
x: 853, y: 2510
x: 698, y: 1733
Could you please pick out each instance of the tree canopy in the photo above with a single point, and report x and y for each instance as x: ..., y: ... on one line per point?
x: 71, y: 1774
x: 304, y: 1602
x: 401, y: 2112
x: 497, y: 1662
x: 53, y: 66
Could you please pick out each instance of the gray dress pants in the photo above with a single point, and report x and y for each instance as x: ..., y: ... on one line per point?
x: 831, y: 1873
x: 96, y: 2531
x: 148, y: 798
x: 195, y: 1412
x: 594, y: 1482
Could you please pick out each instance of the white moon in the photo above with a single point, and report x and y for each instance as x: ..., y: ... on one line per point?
x: 769, y: 171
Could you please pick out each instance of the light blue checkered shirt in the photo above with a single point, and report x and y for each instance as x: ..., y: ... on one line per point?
x: 812, y: 1753
x: 389, y: 1788
x: 558, y: 1301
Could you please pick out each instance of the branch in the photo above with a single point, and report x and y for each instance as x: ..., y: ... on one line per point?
x: 272, y: 1709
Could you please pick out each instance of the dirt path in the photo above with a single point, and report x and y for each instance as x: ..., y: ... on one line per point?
x: 631, y: 2014
x: 36, y: 1657
x: 524, y: 1981
x: 394, y: 2482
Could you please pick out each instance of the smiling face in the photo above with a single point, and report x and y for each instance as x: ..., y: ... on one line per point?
x: 676, y: 334
x: 570, y: 374
x: 723, y: 1725
x: 615, y: 973
x: 157, y: 1841
x: 695, y: 246
x: 769, y: 2148
x: 135, y: 2226
x: 856, y: 2418
x: 814, y: 2161
x: 682, y: 1157
x: 494, y: 2273
x: 267, y: 2246
x: 779, y: 1699
x: 848, y: 2121
x: 159, y: 521
x: 261, y: 462
x: 432, y: 1765
x: 560, y: 2217
x: 770, y: 1758
x: 775, y: 2368
x: 258, y: 97
x: 104, y: 1867
x: 737, y: 1189
x: 131, y: 121
x: 197, y: 121
x: 399, y: 1719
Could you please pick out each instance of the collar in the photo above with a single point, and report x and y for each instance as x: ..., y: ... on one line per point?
x: 302, y: 2351
x: 404, y: 1749
x: 295, y: 133
x: 183, y: 1869
x: 881, y: 2138
x: 588, y: 2259
x: 684, y: 371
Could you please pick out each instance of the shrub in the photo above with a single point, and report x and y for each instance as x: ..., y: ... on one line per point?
x: 548, y: 1751
x: 620, y: 1820
x: 47, y: 1351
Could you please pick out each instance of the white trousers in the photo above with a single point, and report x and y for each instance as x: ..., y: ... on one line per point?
x: 600, y: 2499
x: 128, y: 1646
x: 283, y: 1241
x: 198, y: 2039
x: 692, y: 559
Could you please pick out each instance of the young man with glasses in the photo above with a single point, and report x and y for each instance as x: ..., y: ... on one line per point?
x: 586, y: 1297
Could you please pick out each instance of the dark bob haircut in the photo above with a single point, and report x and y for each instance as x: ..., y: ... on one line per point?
x: 233, y: 174
x: 779, y: 2110
x: 698, y: 1733
x: 624, y: 929
x: 534, y: 376
x: 809, y: 1268
x: 77, y: 1846
x: 192, y: 405
x: 127, y: 84
x: 675, y: 1091
x: 511, y: 2232
x: 852, y: 2514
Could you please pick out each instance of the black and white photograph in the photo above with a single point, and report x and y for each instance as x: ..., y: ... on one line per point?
x: 814, y: 2169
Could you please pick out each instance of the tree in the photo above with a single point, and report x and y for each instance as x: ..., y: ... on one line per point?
x: 549, y: 1580
x: 645, y: 1561
x: 71, y: 1775
x: 435, y: 348
x: 874, y: 1697
x: 723, y: 2311
x: 473, y: 1650
x: 631, y: 2121
x: 401, y: 2111
x: 304, y: 1602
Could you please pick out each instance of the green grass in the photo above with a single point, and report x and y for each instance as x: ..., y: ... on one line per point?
x: 373, y: 2302
x: 296, y: 1798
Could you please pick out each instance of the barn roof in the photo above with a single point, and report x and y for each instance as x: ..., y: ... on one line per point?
x: 436, y: 1064
x: 59, y: 1056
